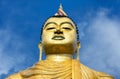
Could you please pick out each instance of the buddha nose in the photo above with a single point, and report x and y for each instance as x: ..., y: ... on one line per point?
x: 58, y: 32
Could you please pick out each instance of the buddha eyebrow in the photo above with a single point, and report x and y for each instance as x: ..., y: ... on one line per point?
x: 50, y: 23
x: 67, y: 23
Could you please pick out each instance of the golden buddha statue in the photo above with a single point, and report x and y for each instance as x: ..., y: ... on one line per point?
x: 59, y: 42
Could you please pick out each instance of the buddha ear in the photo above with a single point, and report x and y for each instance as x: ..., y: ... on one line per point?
x: 78, y: 48
x: 40, y: 49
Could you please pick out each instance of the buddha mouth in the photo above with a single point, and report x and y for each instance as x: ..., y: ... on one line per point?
x: 58, y: 38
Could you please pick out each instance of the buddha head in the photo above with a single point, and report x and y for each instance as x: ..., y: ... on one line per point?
x: 59, y: 34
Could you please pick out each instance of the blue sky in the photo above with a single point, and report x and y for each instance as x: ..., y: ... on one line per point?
x: 98, y: 23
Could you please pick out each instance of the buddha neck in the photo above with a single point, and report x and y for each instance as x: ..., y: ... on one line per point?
x: 59, y: 57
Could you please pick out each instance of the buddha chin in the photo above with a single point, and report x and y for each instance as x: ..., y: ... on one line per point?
x: 59, y: 48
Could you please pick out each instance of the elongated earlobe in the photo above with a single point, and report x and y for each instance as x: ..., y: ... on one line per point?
x: 78, y: 48
x: 78, y: 56
x: 40, y: 48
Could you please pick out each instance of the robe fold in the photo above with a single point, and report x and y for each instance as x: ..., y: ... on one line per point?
x: 71, y: 69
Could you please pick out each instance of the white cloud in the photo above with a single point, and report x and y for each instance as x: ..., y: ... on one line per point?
x: 101, y: 43
x: 10, y: 49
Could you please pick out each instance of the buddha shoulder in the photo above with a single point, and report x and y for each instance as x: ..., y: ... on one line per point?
x: 15, y: 76
x: 102, y: 75
x: 96, y: 74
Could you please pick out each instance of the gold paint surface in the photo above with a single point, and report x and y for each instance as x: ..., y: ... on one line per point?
x: 59, y: 57
x: 59, y: 36
x: 70, y: 69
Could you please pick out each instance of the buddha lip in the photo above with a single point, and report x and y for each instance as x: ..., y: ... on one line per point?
x: 58, y: 38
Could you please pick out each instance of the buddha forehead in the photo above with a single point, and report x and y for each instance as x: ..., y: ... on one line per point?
x: 59, y: 20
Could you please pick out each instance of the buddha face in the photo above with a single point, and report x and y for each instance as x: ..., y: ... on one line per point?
x: 59, y: 36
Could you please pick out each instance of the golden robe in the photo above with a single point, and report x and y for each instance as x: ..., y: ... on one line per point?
x: 70, y: 69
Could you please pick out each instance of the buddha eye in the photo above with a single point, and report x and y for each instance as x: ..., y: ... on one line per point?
x: 51, y: 28
x: 67, y: 28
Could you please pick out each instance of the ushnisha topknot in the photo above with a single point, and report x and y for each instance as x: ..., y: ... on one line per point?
x: 60, y: 11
